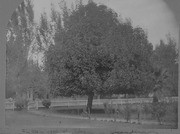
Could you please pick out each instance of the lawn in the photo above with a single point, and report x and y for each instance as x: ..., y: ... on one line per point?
x: 146, y: 114
x: 25, y: 119
x: 35, y: 124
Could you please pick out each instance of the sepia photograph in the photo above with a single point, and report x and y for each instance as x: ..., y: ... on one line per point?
x: 90, y: 67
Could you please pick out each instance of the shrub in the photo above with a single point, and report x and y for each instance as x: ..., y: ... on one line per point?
x: 147, y: 108
x: 21, y: 103
x: 108, y: 108
x: 105, y: 107
x: 46, y: 103
x: 127, y: 112
x: 159, y: 110
x: 139, y: 108
x: 173, y: 110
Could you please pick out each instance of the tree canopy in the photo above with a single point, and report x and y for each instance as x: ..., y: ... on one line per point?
x: 98, y: 54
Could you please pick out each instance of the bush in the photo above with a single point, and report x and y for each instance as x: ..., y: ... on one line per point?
x: 46, y: 103
x: 173, y: 110
x: 108, y: 109
x: 139, y: 109
x: 21, y: 103
x: 127, y: 112
x: 159, y: 110
x: 147, y: 108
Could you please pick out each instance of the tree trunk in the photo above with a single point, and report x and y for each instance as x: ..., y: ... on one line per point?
x: 89, y: 103
x: 47, y: 96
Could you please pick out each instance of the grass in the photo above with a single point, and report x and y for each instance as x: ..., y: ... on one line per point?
x: 20, y: 122
x: 23, y: 121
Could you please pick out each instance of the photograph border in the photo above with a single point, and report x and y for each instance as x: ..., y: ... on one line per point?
x: 6, y: 9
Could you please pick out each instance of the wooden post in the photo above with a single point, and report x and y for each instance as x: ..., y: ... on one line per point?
x: 37, y: 105
x: 140, y: 111
x: 13, y: 105
x: 68, y: 103
x: 28, y: 107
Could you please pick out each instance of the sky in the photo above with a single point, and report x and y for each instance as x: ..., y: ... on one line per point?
x: 154, y: 16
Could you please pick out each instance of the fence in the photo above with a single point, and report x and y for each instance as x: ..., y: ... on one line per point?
x: 69, y: 103
x: 10, y: 105
x: 32, y: 105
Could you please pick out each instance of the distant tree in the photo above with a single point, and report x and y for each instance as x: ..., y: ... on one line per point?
x: 19, y: 37
x: 44, y: 35
x: 47, y: 31
x: 165, y: 63
x: 36, y: 81
x: 56, y: 24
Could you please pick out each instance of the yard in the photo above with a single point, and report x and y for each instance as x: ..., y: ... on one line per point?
x: 44, y: 121
x: 15, y: 120
x: 58, y: 119
x: 168, y: 112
